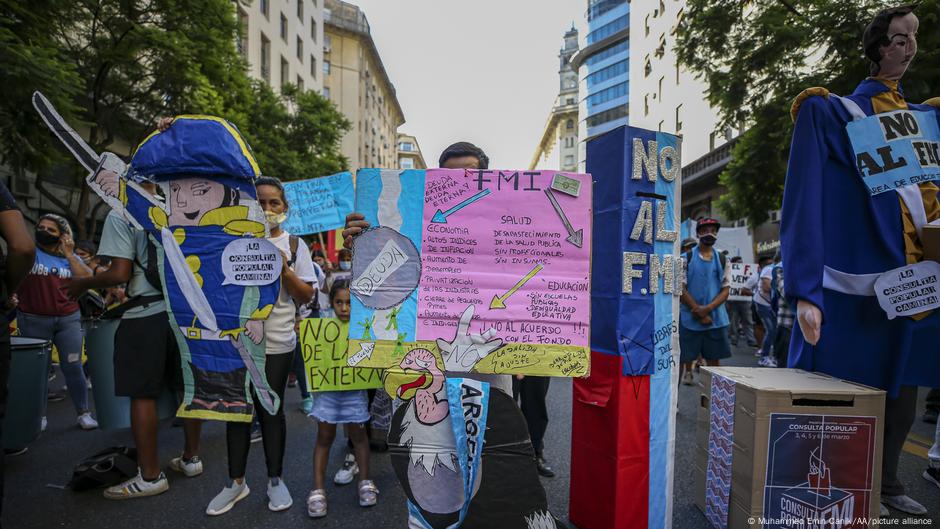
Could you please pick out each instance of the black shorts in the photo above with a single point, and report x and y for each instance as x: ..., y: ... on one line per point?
x: 146, y: 357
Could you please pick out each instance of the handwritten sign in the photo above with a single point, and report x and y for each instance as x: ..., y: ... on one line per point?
x: 909, y: 290
x: 323, y: 343
x: 318, y: 204
x: 896, y: 149
x: 501, y: 256
x: 250, y: 262
x: 740, y: 274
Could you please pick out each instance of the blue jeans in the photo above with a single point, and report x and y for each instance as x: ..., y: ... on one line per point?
x: 66, y: 333
x: 769, y: 320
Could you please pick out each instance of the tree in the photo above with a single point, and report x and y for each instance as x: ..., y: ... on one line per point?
x: 31, y: 61
x: 756, y: 57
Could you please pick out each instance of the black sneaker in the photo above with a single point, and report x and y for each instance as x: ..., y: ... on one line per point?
x: 932, y: 475
x: 930, y: 416
x: 544, y: 469
x: 21, y: 451
x: 56, y: 396
x: 255, y: 432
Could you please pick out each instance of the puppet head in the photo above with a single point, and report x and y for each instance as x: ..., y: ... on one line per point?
x: 203, y: 163
x: 890, y: 41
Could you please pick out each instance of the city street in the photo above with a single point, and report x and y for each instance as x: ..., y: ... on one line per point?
x: 35, y: 497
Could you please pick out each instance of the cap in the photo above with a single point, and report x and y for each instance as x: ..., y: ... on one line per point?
x: 707, y: 222
x: 689, y: 242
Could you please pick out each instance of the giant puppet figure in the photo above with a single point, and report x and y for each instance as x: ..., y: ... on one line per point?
x: 220, y: 276
x: 859, y: 195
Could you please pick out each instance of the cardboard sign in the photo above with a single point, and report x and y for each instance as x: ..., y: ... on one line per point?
x: 909, y: 290
x: 819, y: 471
x: 896, y: 149
x: 740, y: 273
x: 491, y: 269
x: 323, y: 343
x: 318, y: 204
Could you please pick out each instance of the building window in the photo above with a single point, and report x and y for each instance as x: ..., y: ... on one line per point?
x: 283, y: 27
x: 646, y: 105
x: 614, y: 70
x: 328, y: 43
x: 243, y: 33
x: 569, y: 101
x: 660, y: 126
x: 285, y: 72
x: 300, y: 49
x: 570, y: 124
x: 406, y: 163
x: 326, y: 67
x: 313, y: 67
x: 569, y: 160
x: 646, y: 24
x: 678, y: 119
x: 608, y: 29
x: 300, y: 10
x: 326, y: 92
x: 678, y: 68
x: 608, y: 94
x: 661, y: 79
x: 265, y: 58
x: 617, y: 112
x: 648, y: 68
x: 406, y: 146
x: 300, y: 83
x: 661, y: 50
x: 313, y: 29
x: 265, y: 6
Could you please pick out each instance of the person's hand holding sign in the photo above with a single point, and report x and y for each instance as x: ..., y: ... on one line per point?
x: 467, y: 349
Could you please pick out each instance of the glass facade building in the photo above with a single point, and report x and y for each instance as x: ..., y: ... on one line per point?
x: 604, y: 68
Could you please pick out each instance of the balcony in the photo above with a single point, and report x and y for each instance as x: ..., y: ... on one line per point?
x: 345, y: 16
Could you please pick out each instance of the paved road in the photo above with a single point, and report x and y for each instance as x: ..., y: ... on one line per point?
x: 34, y: 498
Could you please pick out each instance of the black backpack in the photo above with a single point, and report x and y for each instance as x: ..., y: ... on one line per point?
x: 152, y: 270
x: 104, y: 469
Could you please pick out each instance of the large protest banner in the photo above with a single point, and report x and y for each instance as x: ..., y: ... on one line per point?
x: 318, y: 204
x: 324, y: 346
x: 740, y: 273
x: 623, y: 418
x: 896, y: 149
x: 502, y: 254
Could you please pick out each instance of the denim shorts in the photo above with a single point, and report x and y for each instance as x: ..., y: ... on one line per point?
x: 711, y: 344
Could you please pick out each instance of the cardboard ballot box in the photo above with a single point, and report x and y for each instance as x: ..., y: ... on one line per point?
x: 780, y: 448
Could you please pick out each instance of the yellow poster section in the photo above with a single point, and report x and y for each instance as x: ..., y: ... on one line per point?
x: 323, y: 344
x: 511, y: 359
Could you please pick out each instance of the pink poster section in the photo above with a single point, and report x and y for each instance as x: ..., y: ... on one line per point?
x: 514, y: 245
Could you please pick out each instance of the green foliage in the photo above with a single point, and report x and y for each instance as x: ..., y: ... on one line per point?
x: 113, y: 67
x: 757, y: 56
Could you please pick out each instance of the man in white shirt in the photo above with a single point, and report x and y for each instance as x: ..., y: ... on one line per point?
x: 762, y: 297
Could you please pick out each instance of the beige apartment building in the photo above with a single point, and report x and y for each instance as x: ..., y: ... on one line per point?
x: 355, y: 79
x: 282, y: 40
x: 409, y: 153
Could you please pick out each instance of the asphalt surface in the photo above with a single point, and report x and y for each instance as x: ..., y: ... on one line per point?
x: 35, y: 497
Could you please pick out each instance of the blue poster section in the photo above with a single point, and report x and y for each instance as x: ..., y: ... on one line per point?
x: 896, y: 149
x: 318, y: 204
x: 662, y: 386
x: 394, y: 199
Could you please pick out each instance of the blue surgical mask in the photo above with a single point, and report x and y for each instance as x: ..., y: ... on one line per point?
x: 345, y: 265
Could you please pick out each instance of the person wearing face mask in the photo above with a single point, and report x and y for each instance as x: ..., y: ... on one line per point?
x: 46, y: 311
x: 703, y: 317
x: 298, y: 285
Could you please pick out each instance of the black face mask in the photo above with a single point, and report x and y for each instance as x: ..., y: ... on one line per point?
x: 708, y: 240
x: 45, y: 238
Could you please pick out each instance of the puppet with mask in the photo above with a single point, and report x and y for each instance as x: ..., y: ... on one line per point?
x: 847, y: 229
x: 220, y: 276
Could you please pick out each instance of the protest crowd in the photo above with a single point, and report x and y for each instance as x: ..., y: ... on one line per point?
x: 220, y: 303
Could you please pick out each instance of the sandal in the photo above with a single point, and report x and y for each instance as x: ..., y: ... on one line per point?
x: 368, y: 493
x: 316, y: 503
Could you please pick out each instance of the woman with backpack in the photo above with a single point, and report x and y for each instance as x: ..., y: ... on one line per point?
x: 298, y: 283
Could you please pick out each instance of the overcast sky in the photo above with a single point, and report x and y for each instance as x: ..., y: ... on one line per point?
x: 484, y: 71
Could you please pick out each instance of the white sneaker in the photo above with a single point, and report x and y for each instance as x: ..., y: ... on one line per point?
x: 688, y: 379
x: 44, y: 424
x: 190, y: 468
x: 225, y: 500
x: 767, y: 361
x: 344, y: 475
x: 87, y: 422
x: 904, y: 503
x: 137, y: 487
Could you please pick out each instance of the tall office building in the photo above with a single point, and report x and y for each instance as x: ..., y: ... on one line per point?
x: 355, y: 79
x: 603, y: 64
x: 282, y: 40
x: 561, y: 129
